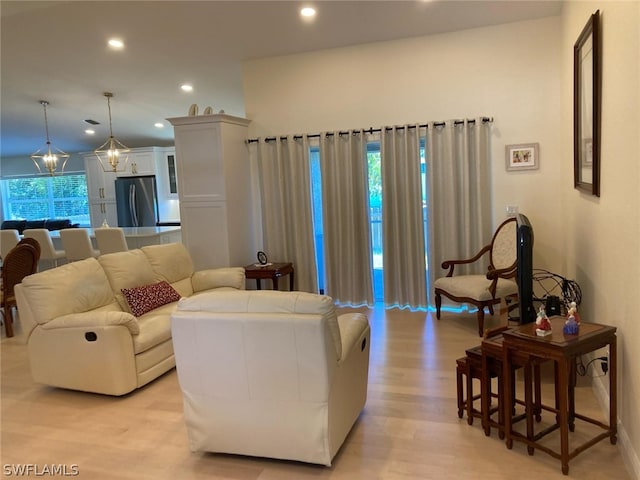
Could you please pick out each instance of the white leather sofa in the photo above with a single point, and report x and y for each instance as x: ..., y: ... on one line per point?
x: 77, y: 324
x: 269, y: 373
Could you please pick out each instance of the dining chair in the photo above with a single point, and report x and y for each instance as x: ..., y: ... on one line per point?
x: 8, y: 240
x: 48, y: 250
x: 110, y: 240
x: 34, y: 243
x: 21, y: 261
x: 77, y: 244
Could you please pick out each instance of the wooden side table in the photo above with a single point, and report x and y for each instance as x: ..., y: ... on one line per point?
x: 563, y: 350
x: 273, y: 271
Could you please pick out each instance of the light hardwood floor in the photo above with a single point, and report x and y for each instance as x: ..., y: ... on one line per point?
x: 408, y: 430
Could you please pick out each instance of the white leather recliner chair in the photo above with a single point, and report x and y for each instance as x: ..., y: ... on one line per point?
x: 270, y: 374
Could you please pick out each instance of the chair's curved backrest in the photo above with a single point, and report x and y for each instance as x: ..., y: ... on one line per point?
x: 8, y: 240
x: 77, y: 244
x: 34, y: 243
x: 21, y: 261
x: 110, y: 240
x: 503, y: 246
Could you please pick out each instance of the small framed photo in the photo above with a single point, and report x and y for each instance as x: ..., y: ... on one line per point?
x: 523, y: 156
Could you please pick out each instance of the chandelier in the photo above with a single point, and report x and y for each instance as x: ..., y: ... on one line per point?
x: 48, y: 156
x: 112, y: 154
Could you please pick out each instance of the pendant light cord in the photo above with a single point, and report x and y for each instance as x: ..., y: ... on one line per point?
x: 46, y: 120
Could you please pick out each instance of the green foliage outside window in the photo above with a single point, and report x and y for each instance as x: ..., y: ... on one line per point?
x: 34, y: 198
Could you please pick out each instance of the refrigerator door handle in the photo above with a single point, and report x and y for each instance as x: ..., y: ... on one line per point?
x: 132, y: 205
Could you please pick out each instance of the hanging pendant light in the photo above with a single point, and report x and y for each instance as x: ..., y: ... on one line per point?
x: 112, y: 154
x: 49, y: 156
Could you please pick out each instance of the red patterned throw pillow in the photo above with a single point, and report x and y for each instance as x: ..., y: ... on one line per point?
x: 147, y: 297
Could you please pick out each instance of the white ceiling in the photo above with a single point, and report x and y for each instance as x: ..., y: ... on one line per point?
x: 57, y: 51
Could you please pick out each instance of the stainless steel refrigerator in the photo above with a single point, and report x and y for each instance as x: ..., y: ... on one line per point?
x: 137, y: 201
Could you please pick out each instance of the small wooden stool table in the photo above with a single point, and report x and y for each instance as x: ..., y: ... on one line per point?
x: 563, y: 350
x: 492, y: 358
x: 271, y: 270
x: 470, y: 366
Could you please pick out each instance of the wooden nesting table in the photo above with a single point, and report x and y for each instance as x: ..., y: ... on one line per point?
x: 562, y: 350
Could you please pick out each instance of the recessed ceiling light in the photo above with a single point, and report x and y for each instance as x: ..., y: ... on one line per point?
x: 159, y: 125
x: 116, y: 43
x: 308, y: 12
x: 90, y: 132
x: 187, y: 88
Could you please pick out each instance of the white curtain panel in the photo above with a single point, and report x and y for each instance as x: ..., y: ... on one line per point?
x: 403, y: 240
x: 459, y: 193
x: 287, y: 220
x: 347, y: 237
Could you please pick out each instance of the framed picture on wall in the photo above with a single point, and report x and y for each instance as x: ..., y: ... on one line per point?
x: 522, y: 156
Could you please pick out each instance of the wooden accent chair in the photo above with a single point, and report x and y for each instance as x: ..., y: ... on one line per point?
x: 19, y: 262
x: 483, y: 290
x: 35, y: 244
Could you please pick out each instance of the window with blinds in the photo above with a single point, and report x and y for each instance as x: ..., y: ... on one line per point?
x: 38, y: 197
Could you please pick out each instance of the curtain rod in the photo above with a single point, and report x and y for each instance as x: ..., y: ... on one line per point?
x: 372, y: 130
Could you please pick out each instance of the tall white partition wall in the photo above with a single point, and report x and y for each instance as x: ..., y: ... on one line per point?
x: 214, y: 189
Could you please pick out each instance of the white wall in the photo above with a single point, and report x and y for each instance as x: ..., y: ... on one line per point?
x: 11, y: 166
x: 521, y: 74
x: 601, y: 234
x: 509, y: 72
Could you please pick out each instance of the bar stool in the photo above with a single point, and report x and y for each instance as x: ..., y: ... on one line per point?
x: 48, y: 251
x: 110, y: 240
x: 8, y: 240
x: 77, y: 244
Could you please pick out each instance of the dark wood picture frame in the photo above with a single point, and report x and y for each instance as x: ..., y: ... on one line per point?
x: 587, y: 78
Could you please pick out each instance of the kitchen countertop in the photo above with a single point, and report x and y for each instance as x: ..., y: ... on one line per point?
x: 131, y: 231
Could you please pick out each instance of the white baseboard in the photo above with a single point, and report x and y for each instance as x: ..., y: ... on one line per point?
x: 629, y: 455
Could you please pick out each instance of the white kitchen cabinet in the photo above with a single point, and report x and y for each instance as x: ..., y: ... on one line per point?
x: 141, y: 161
x: 100, y: 184
x: 171, y: 168
x: 103, y: 211
x: 101, y: 191
x: 166, y: 179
